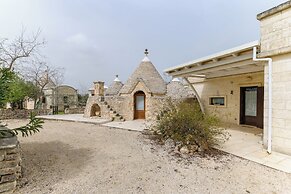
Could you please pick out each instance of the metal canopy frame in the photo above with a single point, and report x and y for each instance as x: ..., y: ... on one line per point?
x: 235, y: 61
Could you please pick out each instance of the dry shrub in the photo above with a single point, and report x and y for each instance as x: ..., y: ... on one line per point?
x: 186, y: 125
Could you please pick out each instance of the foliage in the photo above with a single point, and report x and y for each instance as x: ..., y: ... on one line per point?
x: 186, y: 125
x: 32, y: 127
x: 20, y: 89
x: 14, y: 89
x: 6, y: 79
x: 82, y: 99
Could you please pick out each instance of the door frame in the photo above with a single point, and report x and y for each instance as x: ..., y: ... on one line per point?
x: 138, y: 114
x: 257, y: 120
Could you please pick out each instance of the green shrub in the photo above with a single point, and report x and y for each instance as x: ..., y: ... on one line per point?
x: 186, y: 125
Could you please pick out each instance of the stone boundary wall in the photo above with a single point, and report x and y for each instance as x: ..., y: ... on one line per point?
x: 75, y: 110
x: 20, y: 114
x: 10, y: 164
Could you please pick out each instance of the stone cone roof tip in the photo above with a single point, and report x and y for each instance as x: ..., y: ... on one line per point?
x: 149, y: 75
x: 116, y: 79
x: 146, y: 59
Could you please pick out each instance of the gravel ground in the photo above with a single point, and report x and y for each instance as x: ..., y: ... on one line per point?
x: 68, y: 157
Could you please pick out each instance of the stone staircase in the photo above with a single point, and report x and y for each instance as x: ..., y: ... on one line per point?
x: 113, y: 114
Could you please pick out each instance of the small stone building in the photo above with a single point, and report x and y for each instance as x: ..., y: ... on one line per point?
x: 141, y: 97
x: 62, y: 96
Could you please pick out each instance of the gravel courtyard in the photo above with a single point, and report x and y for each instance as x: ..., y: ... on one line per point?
x: 68, y: 157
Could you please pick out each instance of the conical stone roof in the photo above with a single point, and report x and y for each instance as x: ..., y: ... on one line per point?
x: 148, y: 74
x: 176, y: 90
x: 114, y: 88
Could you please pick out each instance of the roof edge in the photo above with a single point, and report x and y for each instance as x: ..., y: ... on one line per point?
x: 215, y: 55
x: 274, y: 10
x: 65, y: 85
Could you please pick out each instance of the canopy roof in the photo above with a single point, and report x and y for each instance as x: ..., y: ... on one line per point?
x: 237, y: 60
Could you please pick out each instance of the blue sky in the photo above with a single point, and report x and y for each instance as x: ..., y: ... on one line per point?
x: 95, y: 40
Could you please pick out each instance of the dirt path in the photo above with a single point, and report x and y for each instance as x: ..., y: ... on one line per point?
x: 69, y: 157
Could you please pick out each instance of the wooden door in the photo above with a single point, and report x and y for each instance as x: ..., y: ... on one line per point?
x: 252, y: 106
x: 260, y: 106
x: 139, y: 105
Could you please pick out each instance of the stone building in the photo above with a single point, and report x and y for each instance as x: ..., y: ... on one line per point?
x: 140, y: 97
x: 250, y: 84
x: 62, y: 96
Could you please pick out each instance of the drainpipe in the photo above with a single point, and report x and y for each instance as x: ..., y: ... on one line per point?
x: 196, y: 94
x: 269, y: 60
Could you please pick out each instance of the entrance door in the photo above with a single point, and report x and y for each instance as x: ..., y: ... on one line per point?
x: 139, y: 105
x: 252, y: 106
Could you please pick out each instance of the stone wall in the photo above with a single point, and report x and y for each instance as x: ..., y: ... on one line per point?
x: 20, y: 114
x: 124, y: 104
x: 275, y: 25
x: 118, y: 103
x: 62, y: 92
x: 10, y: 164
x: 105, y: 112
x: 229, y: 87
x: 281, y: 97
x: 79, y: 110
x: 150, y: 101
x: 63, y: 96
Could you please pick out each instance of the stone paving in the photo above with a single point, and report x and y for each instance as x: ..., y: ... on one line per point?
x: 244, y: 142
x: 136, y: 125
x: 75, y: 118
x: 249, y: 146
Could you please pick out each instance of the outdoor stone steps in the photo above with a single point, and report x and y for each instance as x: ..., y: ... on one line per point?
x: 118, y: 118
x: 114, y: 115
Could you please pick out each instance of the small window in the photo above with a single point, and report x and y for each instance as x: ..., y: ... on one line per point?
x: 65, y: 99
x: 43, y: 100
x: 217, y: 101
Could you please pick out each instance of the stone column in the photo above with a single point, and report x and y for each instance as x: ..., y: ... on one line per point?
x: 10, y: 169
x: 99, y: 88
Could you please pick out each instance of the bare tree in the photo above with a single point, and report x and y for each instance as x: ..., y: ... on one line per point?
x: 43, y: 75
x: 21, y: 48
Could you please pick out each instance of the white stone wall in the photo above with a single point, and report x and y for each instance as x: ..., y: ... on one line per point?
x: 281, y: 96
x: 276, y: 33
x: 230, y: 88
x: 276, y: 43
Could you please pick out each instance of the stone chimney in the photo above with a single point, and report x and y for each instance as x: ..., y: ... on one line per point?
x: 98, y: 88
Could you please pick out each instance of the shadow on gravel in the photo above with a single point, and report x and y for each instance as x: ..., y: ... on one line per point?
x: 45, y: 164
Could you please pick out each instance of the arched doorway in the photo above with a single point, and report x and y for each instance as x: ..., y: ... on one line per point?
x: 95, y: 110
x: 139, y: 105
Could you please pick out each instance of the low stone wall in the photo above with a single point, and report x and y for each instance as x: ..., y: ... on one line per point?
x: 10, y: 164
x: 75, y: 110
x: 20, y: 114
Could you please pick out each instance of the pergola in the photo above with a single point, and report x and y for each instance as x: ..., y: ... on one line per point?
x: 235, y: 61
